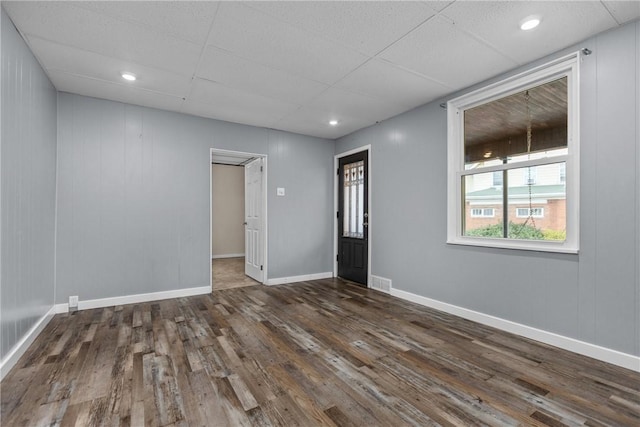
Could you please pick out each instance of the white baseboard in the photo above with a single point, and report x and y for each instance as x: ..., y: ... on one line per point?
x: 227, y: 256
x: 21, y: 347
x: 597, y: 352
x: 134, y: 299
x: 294, y: 279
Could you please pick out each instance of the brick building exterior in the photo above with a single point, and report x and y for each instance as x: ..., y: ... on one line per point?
x: 547, y: 204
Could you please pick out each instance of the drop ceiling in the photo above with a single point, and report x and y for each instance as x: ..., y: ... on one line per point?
x: 294, y: 66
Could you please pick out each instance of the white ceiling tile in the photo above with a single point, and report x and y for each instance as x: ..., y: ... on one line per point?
x: 106, y: 90
x: 368, y: 26
x: 438, y: 5
x: 624, y: 11
x: 65, y: 23
x: 188, y: 20
x: 221, y: 66
x: 233, y: 115
x: 341, y: 103
x: 272, y: 64
x: 251, y: 34
x: 498, y: 23
x: 71, y: 60
x: 314, y: 122
x: 381, y: 80
x: 230, y: 104
x: 442, y: 52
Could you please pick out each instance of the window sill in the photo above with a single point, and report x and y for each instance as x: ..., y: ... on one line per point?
x: 538, y: 246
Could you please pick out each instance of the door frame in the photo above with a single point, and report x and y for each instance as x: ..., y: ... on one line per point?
x: 265, y: 232
x: 336, y: 181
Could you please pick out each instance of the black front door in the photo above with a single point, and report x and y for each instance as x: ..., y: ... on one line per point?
x: 353, y: 217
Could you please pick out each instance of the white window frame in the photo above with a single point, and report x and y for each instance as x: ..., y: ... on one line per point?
x: 567, y: 66
x: 529, y: 210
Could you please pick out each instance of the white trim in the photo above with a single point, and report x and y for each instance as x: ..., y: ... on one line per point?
x: 543, y: 161
x: 135, y: 299
x: 21, y: 346
x: 567, y: 66
x: 265, y: 218
x: 295, y: 279
x: 211, y: 217
x: 336, y: 165
x: 637, y: 322
x: 227, y: 256
x: 542, y: 73
x: 524, y: 245
x: 248, y: 155
x: 591, y: 350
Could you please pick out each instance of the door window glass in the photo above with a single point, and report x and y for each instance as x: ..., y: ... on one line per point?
x: 353, y: 200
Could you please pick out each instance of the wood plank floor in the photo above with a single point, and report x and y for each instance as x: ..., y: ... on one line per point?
x: 314, y: 353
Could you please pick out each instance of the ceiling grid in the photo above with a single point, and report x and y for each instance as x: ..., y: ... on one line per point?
x: 295, y: 66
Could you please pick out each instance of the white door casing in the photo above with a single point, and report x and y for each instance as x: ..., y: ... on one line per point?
x: 254, y: 220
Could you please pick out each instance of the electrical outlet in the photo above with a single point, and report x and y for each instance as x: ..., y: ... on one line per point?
x: 73, y: 301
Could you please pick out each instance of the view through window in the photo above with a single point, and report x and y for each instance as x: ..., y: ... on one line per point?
x: 529, y: 128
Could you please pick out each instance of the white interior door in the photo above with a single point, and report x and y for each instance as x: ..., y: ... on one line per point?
x: 254, y: 220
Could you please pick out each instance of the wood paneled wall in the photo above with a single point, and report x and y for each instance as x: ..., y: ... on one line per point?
x: 28, y: 180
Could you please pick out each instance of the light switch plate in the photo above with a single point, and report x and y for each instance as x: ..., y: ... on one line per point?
x: 280, y: 191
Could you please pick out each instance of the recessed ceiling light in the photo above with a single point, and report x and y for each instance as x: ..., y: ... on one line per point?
x: 128, y: 76
x: 333, y: 122
x: 529, y: 23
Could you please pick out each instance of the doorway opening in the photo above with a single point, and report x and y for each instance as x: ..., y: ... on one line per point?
x: 353, y: 222
x: 238, y: 209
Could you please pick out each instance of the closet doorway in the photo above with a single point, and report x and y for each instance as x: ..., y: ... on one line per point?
x: 238, y: 219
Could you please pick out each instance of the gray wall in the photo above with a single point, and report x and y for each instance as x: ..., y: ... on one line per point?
x: 594, y: 296
x: 133, y: 198
x: 301, y: 223
x: 28, y: 179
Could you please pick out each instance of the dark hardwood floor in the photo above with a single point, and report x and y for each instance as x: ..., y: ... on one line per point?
x: 314, y: 353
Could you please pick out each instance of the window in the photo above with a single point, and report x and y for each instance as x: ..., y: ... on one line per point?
x: 353, y: 221
x: 497, y: 179
x: 530, y: 212
x: 530, y: 175
x: 514, y: 145
x: 482, y: 213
